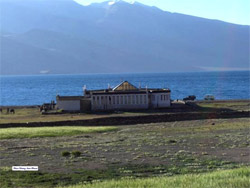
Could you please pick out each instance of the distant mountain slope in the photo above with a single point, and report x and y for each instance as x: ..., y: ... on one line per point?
x: 65, y: 37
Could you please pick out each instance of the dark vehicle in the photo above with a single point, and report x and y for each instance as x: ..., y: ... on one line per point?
x: 190, y: 98
x: 209, y: 98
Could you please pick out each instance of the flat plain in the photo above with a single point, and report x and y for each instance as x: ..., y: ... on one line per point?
x: 139, y: 151
x: 32, y: 114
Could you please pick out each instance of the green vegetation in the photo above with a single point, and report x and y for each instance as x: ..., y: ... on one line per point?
x: 65, y: 153
x: 24, y: 115
x: 9, y: 133
x: 76, y: 153
x: 73, y: 153
x: 165, y: 150
x: 239, y: 178
x: 9, y: 178
x: 226, y: 105
x: 213, y: 126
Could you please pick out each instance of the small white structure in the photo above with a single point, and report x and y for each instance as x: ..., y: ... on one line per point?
x: 125, y: 96
x: 69, y: 103
x: 160, y: 99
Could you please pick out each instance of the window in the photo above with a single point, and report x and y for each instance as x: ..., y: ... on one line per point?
x: 129, y: 99
x: 117, y: 99
x: 133, y: 99
x: 145, y: 99
x: 137, y: 99
x: 109, y: 99
x: 161, y: 97
x: 121, y: 99
x: 140, y: 99
x: 125, y: 99
x: 98, y: 101
x: 101, y: 99
x: 153, y: 98
x: 113, y: 99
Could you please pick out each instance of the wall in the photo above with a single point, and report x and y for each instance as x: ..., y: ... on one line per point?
x: 85, y: 105
x: 160, y: 100
x: 119, y: 102
x: 69, y: 105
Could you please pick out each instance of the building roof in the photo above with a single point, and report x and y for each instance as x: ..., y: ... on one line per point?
x: 118, y: 92
x: 138, y: 91
x: 69, y: 97
x: 125, y: 86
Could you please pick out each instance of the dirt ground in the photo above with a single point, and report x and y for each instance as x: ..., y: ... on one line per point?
x: 186, y: 143
x: 32, y: 114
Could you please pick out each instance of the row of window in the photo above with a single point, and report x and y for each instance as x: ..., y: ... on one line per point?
x: 162, y: 97
x: 120, y: 100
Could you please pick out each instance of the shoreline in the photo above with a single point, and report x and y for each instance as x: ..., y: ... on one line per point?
x: 196, y: 101
x: 30, y: 116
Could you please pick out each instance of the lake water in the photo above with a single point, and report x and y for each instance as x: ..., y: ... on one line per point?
x: 33, y: 90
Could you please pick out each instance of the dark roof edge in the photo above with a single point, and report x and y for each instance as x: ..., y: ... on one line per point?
x: 69, y: 97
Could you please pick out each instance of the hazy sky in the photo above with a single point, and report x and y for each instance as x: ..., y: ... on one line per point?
x: 234, y: 11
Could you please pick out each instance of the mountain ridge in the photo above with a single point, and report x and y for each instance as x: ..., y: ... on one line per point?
x: 127, y: 38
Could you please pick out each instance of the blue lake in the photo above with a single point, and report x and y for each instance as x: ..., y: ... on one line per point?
x: 38, y: 89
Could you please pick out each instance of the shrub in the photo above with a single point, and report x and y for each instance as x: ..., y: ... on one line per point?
x: 65, y: 153
x: 76, y: 153
x: 172, y: 141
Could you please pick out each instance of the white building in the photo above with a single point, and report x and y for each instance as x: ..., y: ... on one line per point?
x: 69, y: 103
x: 125, y: 96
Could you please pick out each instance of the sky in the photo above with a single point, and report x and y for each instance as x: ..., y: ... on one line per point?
x: 233, y: 11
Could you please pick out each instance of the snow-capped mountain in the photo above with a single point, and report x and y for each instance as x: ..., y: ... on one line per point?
x: 114, y: 36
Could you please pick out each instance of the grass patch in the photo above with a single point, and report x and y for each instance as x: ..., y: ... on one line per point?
x: 227, y: 178
x: 24, y: 115
x: 11, y: 133
x: 226, y: 105
x: 216, y: 126
x: 76, y: 153
x: 83, y: 177
x: 65, y: 153
x: 140, y: 151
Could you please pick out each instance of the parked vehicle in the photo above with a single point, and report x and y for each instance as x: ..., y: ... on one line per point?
x: 190, y: 98
x: 209, y: 98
